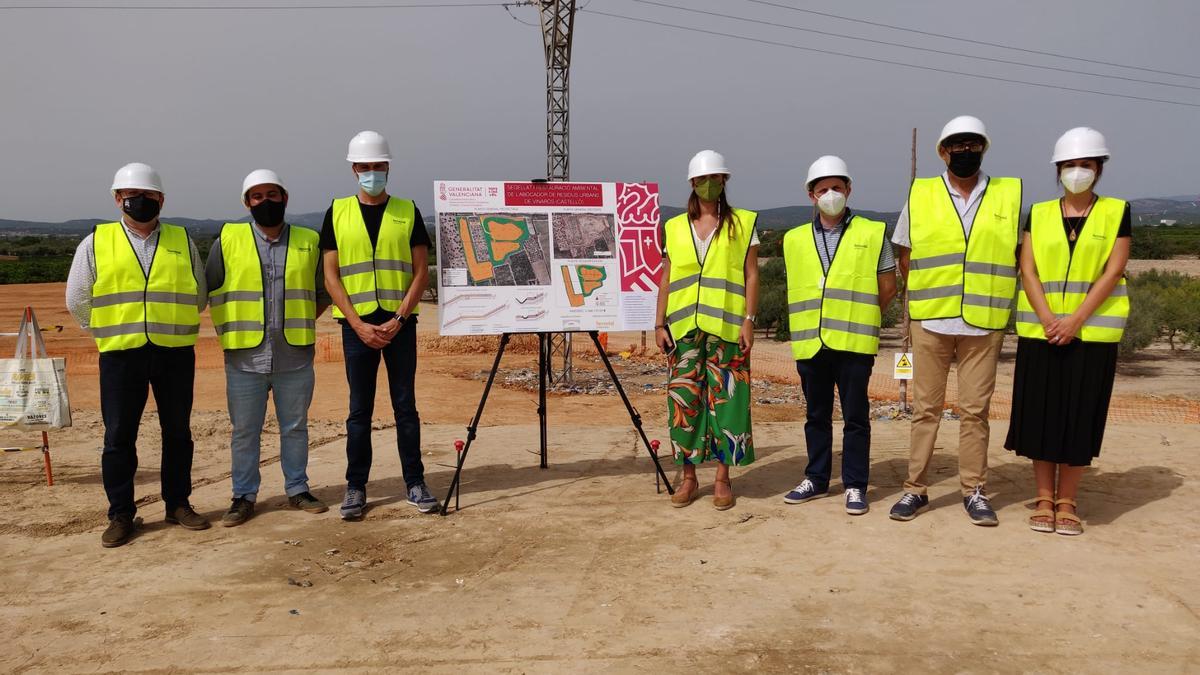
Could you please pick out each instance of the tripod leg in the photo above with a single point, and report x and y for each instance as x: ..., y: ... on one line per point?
x: 462, y: 458
x: 543, y: 376
x: 634, y: 415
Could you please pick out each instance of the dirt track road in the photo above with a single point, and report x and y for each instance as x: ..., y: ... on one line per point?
x: 583, y: 568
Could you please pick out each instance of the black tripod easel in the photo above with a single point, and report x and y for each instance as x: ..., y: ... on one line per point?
x: 543, y: 380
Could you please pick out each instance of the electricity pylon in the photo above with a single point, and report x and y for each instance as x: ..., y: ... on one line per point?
x: 558, y: 18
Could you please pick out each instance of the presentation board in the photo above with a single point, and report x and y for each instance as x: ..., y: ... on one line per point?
x: 522, y: 257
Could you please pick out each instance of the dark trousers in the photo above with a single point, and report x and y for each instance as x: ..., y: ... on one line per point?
x: 126, y: 378
x: 851, y: 373
x: 362, y: 372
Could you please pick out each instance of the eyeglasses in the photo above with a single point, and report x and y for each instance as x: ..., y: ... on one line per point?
x: 964, y: 146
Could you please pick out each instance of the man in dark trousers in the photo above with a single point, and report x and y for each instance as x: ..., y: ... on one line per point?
x: 376, y: 253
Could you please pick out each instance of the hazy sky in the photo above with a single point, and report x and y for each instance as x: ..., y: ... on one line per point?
x: 206, y: 96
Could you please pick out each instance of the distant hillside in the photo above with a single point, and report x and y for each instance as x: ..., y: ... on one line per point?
x: 786, y: 217
x: 1148, y: 211
x: 195, y: 225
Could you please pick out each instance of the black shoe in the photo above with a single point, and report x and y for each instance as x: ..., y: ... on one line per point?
x: 185, y: 516
x: 909, y: 506
x: 119, y: 531
x: 980, y: 509
x: 305, y: 501
x: 239, y: 512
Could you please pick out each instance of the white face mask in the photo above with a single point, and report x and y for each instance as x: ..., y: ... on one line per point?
x: 1077, y: 179
x: 831, y: 203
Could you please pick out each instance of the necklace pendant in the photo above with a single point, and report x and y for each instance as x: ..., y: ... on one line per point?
x: 1072, y: 235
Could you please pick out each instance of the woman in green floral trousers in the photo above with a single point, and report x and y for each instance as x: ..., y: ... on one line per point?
x: 706, y: 301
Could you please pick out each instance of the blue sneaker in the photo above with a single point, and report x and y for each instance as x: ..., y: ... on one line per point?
x: 979, y: 509
x: 420, y: 497
x: 353, y: 504
x: 856, y: 502
x: 909, y: 506
x: 804, y: 492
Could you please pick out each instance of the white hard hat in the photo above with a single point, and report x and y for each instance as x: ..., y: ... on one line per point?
x: 1080, y: 143
x: 707, y: 162
x: 260, y: 177
x: 368, y: 146
x: 964, y: 124
x: 827, y: 166
x: 137, y: 176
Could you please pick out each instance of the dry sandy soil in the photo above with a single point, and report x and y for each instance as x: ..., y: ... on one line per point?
x: 582, y: 567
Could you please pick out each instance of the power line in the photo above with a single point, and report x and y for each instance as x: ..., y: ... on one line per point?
x: 914, y: 47
x: 971, y: 41
x: 240, y: 8
x: 889, y: 62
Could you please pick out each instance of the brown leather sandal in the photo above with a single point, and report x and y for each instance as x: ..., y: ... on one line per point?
x: 1041, y: 525
x: 724, y: 503
x: 1066, y: 522
x: 683, y: 497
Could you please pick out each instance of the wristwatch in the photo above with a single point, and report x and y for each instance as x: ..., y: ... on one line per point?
x: 400, y: 318
x: 751, y: 318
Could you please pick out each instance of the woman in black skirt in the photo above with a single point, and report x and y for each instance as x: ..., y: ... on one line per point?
x: 1071, y: 313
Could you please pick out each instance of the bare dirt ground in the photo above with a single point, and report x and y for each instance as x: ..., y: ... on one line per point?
x: 582, y: 567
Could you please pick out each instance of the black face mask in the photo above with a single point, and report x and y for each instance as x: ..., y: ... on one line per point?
x: 965, y: 164
x: 141, y: 208
x: 268, y: 213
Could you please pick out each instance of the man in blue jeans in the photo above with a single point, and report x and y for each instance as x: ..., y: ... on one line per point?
x: 268, y: 291
x: 376, y: 253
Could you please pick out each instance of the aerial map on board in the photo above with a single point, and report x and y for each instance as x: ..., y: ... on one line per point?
x: 546, y: 257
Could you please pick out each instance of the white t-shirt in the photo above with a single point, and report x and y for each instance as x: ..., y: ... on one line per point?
x: 967, y: 208
x: 703, y: 244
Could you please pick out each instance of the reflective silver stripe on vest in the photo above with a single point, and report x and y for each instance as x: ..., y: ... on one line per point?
x: 117, y: 298
x: 1105, y: 321
x: 850, y: 327
x: 299, y: 294
x: 357, y: 268
x: 723, y: 285
x: 359, y: 298
x: 1027, y: 317
x: 852, y: 296
x: 388, y: 294
x: 172, y: 329
x: 1079, y: 287
x: 392, y: 265
x: 169, y: 298
x: 302, y: 324
x: 218, y: 299
x: 679, y: 315
x: 1067, y: 286
x: 719, y: 313
x: 936, y: 261
x: 230, y: 326
x: 934, y: 293
x: 680, y: 284
x: 119, y: 329
x: 806, y: 306
x: 811, y: 333
x: 991, y: 269
x: 134, y: 328
x: 976, y: 300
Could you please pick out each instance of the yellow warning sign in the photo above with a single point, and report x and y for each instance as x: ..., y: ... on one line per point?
x: 903, y: 367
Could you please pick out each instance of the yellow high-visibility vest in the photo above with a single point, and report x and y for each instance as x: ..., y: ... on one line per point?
x: 839, y: 310
x: 130, y: 307
x: 378, y: 276
x: 238, y: 305
x: 1068, y: 276
x: 954, y: 275
x: 713, y: 297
